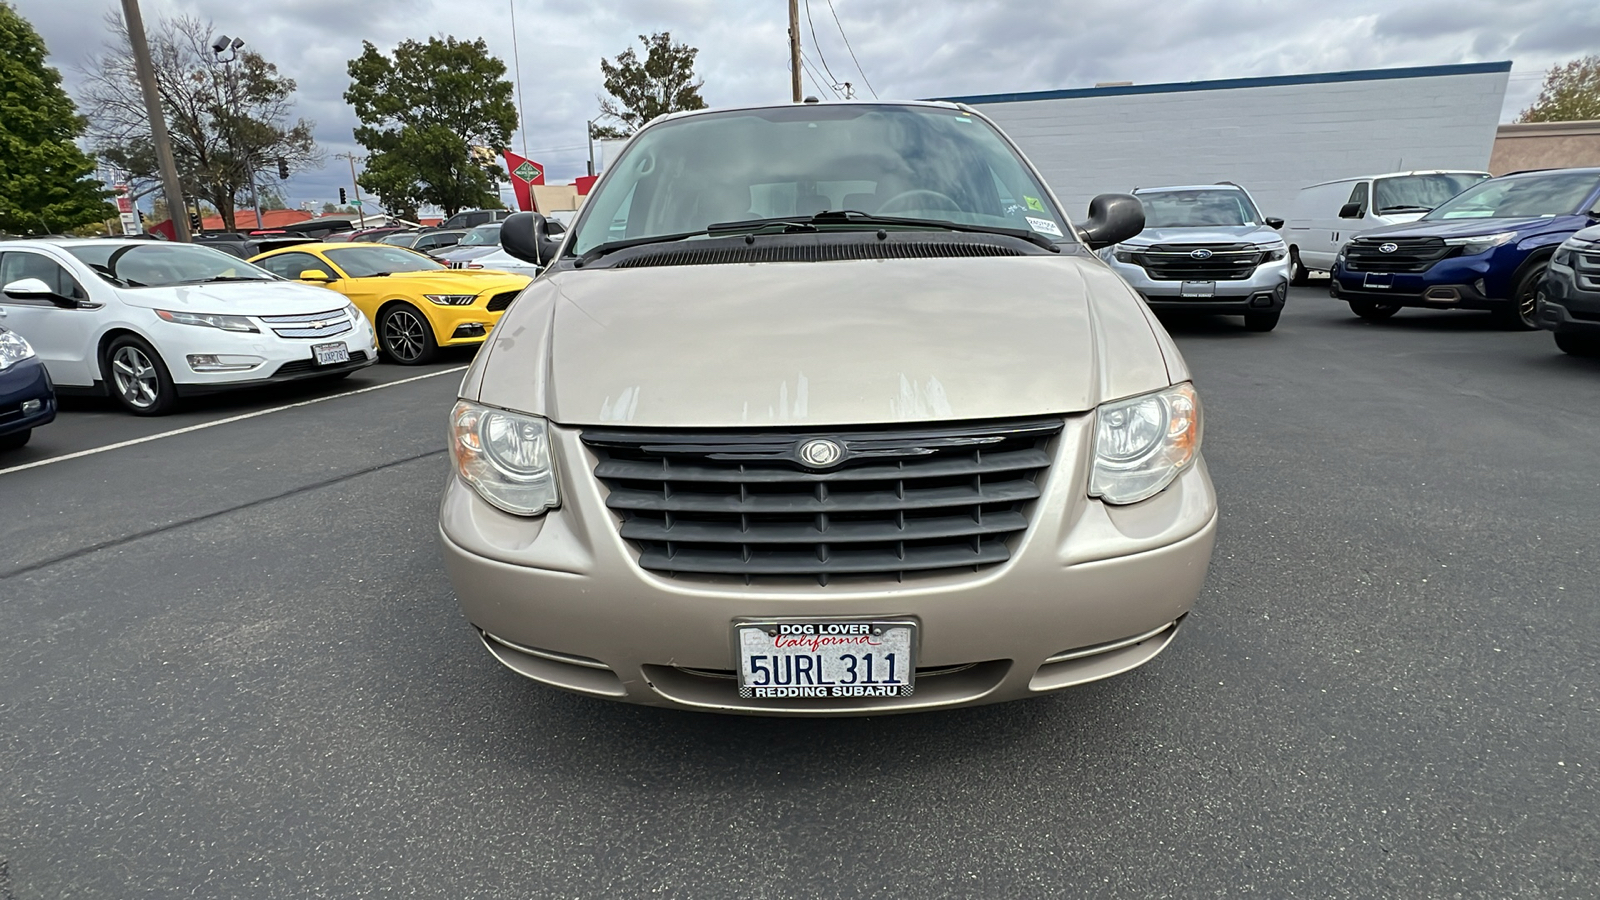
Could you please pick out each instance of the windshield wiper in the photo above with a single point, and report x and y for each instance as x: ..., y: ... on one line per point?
x: 1405, y: 207
x: 856, y: 217
x: 599, y: 250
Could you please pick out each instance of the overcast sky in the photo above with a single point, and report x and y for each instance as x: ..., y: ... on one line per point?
x: 906, y: 48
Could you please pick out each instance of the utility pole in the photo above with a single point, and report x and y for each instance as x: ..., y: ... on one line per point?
x: 589, y: 125
x: 146, y: 70
x: 360, y: 211
x: 794, y: 48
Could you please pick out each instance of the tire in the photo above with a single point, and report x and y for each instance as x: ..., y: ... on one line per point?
x: 137, y: 377
x: 1372, y: 310
x: 15, y: 440
x: 405, y: 335
x: 1579, y: 344
x: 1262, y: 321
x: 1299, y: 275
x: 1523, y: 313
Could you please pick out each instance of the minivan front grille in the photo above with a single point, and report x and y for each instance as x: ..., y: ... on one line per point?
x: 1408, y: 254
x: 743, y: 505
x: 1200, y: 262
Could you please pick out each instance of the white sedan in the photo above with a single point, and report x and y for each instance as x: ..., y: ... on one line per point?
x: 149, y: 322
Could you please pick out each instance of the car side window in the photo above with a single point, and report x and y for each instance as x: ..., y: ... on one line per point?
x: 1359, y: 197
x: 17, y: 264
x: 290, y: 265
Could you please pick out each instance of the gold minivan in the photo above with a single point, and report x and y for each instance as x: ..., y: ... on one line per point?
x: 826, y: 409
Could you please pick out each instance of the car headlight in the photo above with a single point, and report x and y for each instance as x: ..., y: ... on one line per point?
x: 1339, y: 257
x: 505, y: 457
x: 1142, y: 444
x: 452, y: 299
x: 208, y: 320
x: 13, y: 349
x: 1130, y: 257
x: 1273, y: 252
x: 1483, y: 243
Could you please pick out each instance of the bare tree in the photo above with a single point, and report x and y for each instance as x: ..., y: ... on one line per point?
x: 229, y: 120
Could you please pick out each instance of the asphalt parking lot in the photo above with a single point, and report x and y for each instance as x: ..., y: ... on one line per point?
x: 233, y: 667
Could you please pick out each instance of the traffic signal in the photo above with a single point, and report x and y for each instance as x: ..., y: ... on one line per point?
x: 194, y: 222
x: 283, y: 168
x: 342, y: 200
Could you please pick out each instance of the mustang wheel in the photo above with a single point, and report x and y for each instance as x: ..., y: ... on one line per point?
x: 1372, y: 310
x: 406, y: 336
x: 138, y: 378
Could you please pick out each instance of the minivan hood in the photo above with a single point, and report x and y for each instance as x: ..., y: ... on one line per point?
x: 1445, y: 228
x: 1232, y: 234
x: 835, y: 343
x: 239, y: 298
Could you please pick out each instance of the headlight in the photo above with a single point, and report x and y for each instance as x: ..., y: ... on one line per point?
x: 353, y: 312
x: 452, y: 299
x: 1339, y: 257
x: 1273, y: 252
x: 208, y: 320
x: 1126, y: 256
x: 1472, y: 246
x: 1142, y: 444
x: 505, y: 456
x: 13, y: 349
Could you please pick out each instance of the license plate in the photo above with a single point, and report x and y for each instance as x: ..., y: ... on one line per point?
x: 328, y: 354
x: 1378, y: 280
x: 826, y: 658
x: 1198, y: 289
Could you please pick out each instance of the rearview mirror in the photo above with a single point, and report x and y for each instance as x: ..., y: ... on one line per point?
x: 1349, y: 211
x: 29, y: 289
x: 1113, y: 218
x: 529, y: 237
x: 1274, y: 222
x: 315, y: 275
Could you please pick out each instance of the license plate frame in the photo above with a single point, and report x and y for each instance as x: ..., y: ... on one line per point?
x: 888, y: 669
x: 1204, y: 289
x: 1381, y: 280
x: 330, y: 354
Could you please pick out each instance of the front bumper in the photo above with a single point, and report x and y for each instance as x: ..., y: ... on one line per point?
x: 561, y: 599
x: 454, y: 326
x: 1264, y: 291
x: 26, y: 381
x: 1564, y: 306
x: 281, y: 359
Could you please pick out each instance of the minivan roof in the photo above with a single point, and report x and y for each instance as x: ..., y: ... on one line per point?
x: 1397, y: 174
x: 1190, y: 187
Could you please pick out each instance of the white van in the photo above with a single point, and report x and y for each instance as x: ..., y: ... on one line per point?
x: 1327, y: 215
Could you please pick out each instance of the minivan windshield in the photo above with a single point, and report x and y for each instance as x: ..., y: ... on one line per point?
x: 154, y: 264
x: 911, y: 162
x: 1198, y: 209
x: 1522, y: 196
x: 1420, y: 193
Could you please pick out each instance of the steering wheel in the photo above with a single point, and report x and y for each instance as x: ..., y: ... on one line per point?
x: 941, y: 201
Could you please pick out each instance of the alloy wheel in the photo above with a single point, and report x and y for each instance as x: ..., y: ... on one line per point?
x: 403, y: 335
x: 136, y: 378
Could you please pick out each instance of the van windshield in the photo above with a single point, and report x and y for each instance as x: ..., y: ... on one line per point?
x: 1198, y: 209
x: 1420, y: 193
x: 1523, y: 196
x: 912, y: 162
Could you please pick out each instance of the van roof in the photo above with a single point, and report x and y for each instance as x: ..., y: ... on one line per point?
x: 1395, y: 174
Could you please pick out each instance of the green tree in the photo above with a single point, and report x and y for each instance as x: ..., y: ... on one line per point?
x: 1571, y: 92
x: 45, y: 183
x: 421, y: 111
x: 640, y: 91
x: 228, y: 116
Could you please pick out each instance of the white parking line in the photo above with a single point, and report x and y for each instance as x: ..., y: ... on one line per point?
x: 239, y: 418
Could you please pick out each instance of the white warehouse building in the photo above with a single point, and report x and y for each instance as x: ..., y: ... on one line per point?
x: 1271, y: 135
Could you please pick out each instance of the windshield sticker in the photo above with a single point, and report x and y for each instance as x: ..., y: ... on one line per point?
x: 1034, y: 203
x: 1044, y: 226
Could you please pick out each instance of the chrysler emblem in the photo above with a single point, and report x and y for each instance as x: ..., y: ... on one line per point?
x: 1202, y: 253
x: 1388, y: 248
x: 821, y: 453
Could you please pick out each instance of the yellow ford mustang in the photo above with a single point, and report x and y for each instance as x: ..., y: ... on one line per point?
x: 416, y: 304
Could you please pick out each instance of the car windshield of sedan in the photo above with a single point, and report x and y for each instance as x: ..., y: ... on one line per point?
x: 1420, y: 193
x: 1198, y: 209
x: 152, y: 264
x: 380, y: 259
x: 1533, y: 196
x: 911, y: 162
x: 482, y: 236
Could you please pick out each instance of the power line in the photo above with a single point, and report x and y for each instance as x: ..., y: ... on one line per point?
x: 816, y: 79
x: 851, y: 49
x: 815, y: 43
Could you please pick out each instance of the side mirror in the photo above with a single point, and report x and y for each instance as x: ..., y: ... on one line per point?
x: 1349, y: 211
x: 529, y: 237
x: 1274, y: 222
x: 29, y: 289
x: 315, y: 275
x: 1113, y: 218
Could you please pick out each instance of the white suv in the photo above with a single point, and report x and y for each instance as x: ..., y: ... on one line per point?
x: 149, y: 322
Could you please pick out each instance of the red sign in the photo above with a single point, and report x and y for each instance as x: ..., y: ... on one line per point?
x: 585, y: 184
x: 525, y: 173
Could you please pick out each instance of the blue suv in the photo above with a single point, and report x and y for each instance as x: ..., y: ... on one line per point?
x: 1486, y: 248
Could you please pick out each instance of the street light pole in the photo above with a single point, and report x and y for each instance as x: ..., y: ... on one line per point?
x: 794, y: 49
x: 158, y: 123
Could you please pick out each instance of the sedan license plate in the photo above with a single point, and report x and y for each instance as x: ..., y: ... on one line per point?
x: 826, y: 658
x: 1198, y: 289
x: 1378, y: 280
x: 329, y: 354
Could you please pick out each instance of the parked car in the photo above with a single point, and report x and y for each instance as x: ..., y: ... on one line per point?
x: 416, y: 304
x: 401, y: 238
x: 27, y: 398
x: 376, y: 234
x: 1327, y: 215
x: 836, y: 427
x: 471, y: 218
x: 1206, y: 248
x: 1487, y: 248
x: 476, y: 242
x: 439, y: 240
x: 1569, y: 297
x: 499, y: 260
x: 150, y: 321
